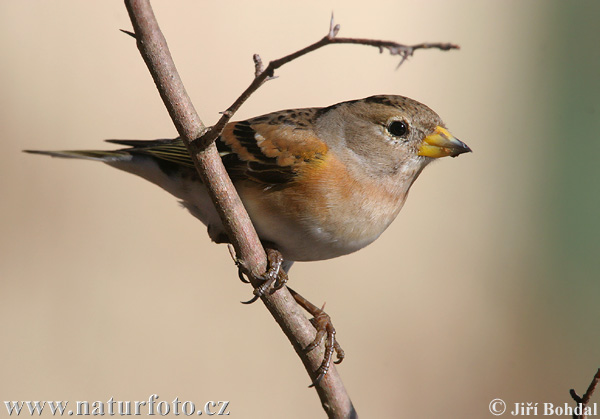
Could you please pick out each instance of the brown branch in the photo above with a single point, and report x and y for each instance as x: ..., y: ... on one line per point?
x: 251, y: 255
x: 585, y: 400
x: 261, y: 76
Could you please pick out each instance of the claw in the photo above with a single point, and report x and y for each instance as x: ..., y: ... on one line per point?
x: 340, y: 353
x: 260, y: 290
x: 324, y: 328
x: 275, y: 271
x: 241, y: 276
x: 318, y: 337
x: 281, y: 280
x: 241, y: 270
x: 325, y: 332
x: 250, y: 301
x: 275, y: 276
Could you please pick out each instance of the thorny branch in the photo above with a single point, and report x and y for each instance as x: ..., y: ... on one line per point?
x: 261, y: 75
x: 200, y: 143
x: 585, y: 400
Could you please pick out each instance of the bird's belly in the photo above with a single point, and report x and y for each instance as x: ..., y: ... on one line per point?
x: 318, y: 228
x: 310, y: 244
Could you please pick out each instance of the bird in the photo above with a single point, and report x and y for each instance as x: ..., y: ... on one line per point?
x: 318, y: 183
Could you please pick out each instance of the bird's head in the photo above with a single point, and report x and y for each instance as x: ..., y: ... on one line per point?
x: 394, y: 134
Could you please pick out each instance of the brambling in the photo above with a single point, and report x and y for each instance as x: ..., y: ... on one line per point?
x: 317, y: 182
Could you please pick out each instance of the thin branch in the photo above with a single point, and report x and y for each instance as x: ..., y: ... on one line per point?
x: 261, y: 76
x: 585, y: 400
x: 248, y: 249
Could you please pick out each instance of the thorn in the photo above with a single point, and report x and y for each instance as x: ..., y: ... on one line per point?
x: 333, y: 28
x: 317, y: 380
x: 404, y: 54
x: 129, y: 33
x: 401, y: 62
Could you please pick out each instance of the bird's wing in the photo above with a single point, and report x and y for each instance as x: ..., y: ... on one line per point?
x: 269, y: 149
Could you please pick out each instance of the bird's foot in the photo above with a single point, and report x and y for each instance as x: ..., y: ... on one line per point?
x: 325, y: 331
x: 274, y: 276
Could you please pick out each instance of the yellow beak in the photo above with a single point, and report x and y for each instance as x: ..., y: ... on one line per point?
x: 441, y: 144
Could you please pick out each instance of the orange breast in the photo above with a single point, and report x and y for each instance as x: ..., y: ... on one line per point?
x: 327, y: 199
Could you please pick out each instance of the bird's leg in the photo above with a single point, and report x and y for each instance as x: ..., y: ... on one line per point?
x: 325, y: 331
x: 275, y: 275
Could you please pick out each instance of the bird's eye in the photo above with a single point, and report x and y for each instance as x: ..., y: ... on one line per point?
x: 398, y: 128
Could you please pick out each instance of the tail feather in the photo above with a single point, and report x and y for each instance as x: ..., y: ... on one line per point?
x: 98, y: 155
x: 141, y: 143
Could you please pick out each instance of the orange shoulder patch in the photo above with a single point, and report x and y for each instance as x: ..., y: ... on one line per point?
x: 289, y: 145
x: 273, y: 152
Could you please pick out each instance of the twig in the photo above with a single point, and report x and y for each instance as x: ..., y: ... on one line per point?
x: 261, y: 76
x: 248, y: 249
x: 584, y: 401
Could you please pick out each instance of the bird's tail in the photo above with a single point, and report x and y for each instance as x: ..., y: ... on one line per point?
x: 98, y: 155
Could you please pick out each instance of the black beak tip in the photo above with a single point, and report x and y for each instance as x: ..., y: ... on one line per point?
x: 461, y: 149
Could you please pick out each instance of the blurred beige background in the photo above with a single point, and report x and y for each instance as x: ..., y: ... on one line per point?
x: 486, y: 286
